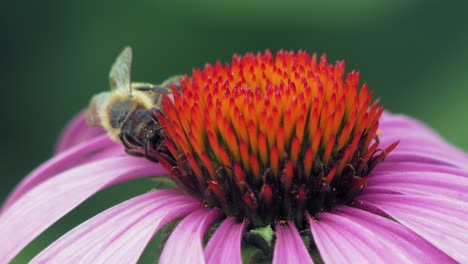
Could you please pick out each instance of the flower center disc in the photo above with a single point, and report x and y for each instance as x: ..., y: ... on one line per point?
x: 272, y: 138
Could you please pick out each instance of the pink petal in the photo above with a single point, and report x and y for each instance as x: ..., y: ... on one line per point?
x: 350, y: 235
x: 289, y: 247
x: 419, y: 156
x: 422, y: 183
x: 225, y: 244
x: 404, y: 124
x: 416, y: 138
x: 391, y: 133
x: 396, y: 167
x: 39, y: 208
x: 72, y: 157
x: 121, y: 233
x: 442, y: 222
x: 185, y: 245
x: 77, y: 131
x: 421, y: 145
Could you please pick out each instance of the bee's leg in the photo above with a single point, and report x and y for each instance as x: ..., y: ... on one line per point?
x: 158, y: 144
x: 134, y: 152
x: 151, y: 148
x: 129, y: 149
x: 150, y: 153
x: 124, y: 141
x: 160, y: 138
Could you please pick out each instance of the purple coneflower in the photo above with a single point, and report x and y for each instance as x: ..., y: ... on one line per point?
x: 281, y: 153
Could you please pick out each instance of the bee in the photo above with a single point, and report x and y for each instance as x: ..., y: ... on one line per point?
x: 128, y: 111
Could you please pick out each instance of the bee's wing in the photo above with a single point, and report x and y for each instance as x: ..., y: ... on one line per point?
x: 119, y: 76
x: 96, y: 107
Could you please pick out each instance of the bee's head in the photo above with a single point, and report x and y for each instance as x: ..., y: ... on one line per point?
x: 141, y: 130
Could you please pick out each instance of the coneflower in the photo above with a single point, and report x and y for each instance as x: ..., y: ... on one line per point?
x: 286, y: 154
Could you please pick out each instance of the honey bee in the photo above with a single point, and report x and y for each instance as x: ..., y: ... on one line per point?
x: 128, y: 111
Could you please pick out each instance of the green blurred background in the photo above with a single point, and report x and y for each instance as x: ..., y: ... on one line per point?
x: 57, y: 54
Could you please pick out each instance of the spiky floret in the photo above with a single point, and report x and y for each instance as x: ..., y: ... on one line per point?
x: 270, y: 138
